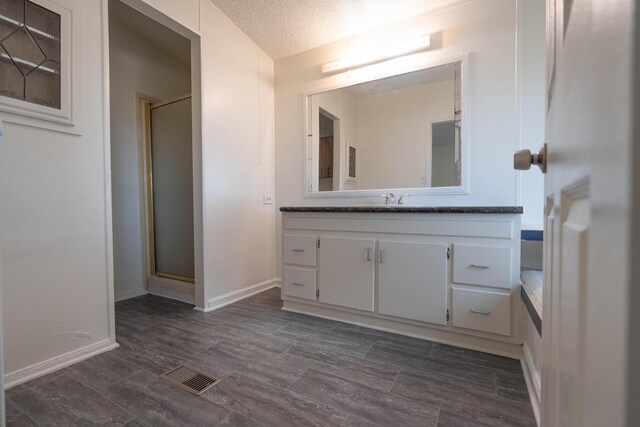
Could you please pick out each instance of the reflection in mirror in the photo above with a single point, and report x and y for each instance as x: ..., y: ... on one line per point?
x: 443, y: 154
x: 325, y: 157
x: 398, y: 132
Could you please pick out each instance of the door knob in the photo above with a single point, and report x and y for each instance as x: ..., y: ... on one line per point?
x: 523, y: 159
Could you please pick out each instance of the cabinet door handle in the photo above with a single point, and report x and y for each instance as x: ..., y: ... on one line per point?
x: 298, y: 250
x: 480, y: 311
x: 297, y: 284
x: 381, y: 256
x: 480, y: 267
x: 369, y: 254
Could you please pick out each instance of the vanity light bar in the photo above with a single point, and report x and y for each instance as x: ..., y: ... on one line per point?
x: 377, y: 55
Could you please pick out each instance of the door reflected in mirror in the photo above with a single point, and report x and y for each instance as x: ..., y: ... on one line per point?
x: 329, y: 126
x: 443, y: 154
x: 405, y: 129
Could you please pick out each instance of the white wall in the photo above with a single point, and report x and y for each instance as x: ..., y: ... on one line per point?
x: 531, y: 105
x: 54, y: 222
x: 394, y: 134
x: 238, y: 161
x: 137, y: 65
x: 487, y: 30
x: 55, y: 219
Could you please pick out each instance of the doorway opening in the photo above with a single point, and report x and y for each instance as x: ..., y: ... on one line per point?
x: 443, y: 154
x: 155, y: 156
x: 329, y: 157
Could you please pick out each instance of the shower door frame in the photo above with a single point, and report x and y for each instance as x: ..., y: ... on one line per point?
x: 148, y: 170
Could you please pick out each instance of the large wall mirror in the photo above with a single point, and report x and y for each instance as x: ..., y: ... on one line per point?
x: 401, y: 132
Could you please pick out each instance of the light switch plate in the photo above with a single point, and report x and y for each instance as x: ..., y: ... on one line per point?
x: 267, y: 199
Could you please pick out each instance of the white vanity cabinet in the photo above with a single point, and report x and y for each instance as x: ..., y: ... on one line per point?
x: 346, y: 272
x: 299, y: 272
x: 412, y: 281
x: 450, y: 277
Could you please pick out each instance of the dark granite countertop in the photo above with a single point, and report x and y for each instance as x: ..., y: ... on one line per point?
x: 408, y: 209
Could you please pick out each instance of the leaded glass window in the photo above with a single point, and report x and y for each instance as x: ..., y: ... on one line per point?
x: 30, y: 53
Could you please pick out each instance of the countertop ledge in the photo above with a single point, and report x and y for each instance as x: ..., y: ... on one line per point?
x: 408, y: 209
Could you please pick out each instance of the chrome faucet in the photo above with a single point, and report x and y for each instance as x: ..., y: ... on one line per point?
x: 389, y: 198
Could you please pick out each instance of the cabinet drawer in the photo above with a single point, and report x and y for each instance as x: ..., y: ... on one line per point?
x: 485, y: 311
x: 482, y: 265
x: 300, y: 250
x: 299, y: 282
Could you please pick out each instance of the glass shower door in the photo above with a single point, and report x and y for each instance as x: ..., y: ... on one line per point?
x: 171, y: 182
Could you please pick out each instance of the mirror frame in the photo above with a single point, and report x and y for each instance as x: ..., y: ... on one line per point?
x: 395, y: 67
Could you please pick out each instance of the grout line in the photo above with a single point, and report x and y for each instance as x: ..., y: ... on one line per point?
x: 433, y: 345
x: 296, y: 380
x: 196, y: 353
x: 21, y: 410
x: 366, y: 353
x: 287, y: 350
x: 119, y: 381
x: 393, y: 384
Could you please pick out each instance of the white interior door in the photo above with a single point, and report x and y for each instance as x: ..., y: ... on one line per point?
x: 587, y: 190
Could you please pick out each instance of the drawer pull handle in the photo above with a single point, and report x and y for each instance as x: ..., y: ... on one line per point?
x: 482, y: 312
x: 369, y: 254
x: 297, y: 284
x: 381, y: 256
x: 480, y: 267
x: 298, y: 250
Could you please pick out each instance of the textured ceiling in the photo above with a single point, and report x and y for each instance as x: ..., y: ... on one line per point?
x: 285, y: 27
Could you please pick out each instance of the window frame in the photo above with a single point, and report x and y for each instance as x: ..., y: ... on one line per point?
x: 63, y: 115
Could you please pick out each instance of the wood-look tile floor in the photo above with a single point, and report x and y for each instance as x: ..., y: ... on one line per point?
x: 277, y: 369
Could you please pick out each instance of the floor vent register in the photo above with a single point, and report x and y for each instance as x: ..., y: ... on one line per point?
x: 190, y: 379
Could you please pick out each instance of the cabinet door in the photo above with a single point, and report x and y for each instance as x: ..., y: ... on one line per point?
x: 412, y: 280
x: 346, y: 272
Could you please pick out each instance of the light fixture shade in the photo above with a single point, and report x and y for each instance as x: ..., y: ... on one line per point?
x: 377, y: 55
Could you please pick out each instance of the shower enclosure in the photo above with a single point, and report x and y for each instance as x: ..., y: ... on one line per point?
x: 170, y: 189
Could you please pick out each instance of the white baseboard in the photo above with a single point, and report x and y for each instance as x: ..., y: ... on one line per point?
x: 48, y: 366
x: 121, y: 296
x: 240, y: 294
x: 533, y: 395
